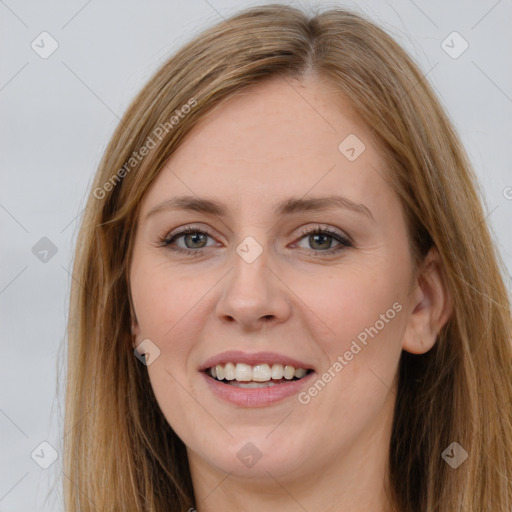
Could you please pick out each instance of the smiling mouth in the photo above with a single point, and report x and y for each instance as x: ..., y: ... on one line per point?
x: 255, y: 376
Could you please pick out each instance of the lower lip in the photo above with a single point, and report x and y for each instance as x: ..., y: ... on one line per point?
x: 256, y: 397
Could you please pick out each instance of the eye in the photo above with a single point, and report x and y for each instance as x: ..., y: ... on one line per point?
x: 194, y: 240
x: 320, y: 240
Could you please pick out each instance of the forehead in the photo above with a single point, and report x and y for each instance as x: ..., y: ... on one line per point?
x: 279, y: 138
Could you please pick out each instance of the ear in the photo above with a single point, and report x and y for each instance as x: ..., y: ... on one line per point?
x: 135, y: 331
x: 431, y: 305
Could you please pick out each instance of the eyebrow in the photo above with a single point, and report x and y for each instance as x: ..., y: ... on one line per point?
x: 287, y: 207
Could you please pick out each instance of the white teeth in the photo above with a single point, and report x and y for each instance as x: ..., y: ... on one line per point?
x: 243, y: 372
x: 263, y: 372
x: 277, y: 371
x: 289, y: 372
x: 229, y: 371
x: 300, y: 372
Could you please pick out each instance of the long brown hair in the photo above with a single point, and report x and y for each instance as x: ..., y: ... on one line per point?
x: 119, y: 452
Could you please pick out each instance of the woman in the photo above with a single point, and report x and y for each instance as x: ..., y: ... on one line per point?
x: 286, y: 295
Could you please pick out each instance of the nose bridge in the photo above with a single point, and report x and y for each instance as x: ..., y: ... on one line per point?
x: 252, y: 293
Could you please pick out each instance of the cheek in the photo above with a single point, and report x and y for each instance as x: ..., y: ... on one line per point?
x: 167, y: 307
x: 349, y: 303
x: 360, y: 333
x: 163, y: 299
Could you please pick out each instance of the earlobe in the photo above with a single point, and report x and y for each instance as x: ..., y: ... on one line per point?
x: 431, y: 306
x: 135, y: 332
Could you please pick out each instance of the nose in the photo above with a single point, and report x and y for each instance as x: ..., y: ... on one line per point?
x: 253, y: 296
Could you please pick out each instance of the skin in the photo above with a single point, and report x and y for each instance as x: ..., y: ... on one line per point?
x: 278, y: 140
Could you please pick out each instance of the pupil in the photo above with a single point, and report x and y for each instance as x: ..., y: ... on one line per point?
x: 194, y: 236
x: 315, y: 237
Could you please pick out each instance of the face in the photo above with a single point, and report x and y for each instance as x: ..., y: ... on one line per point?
x: 272, y: 281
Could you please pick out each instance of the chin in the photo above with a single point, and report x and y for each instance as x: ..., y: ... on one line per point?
x: 258, y: 456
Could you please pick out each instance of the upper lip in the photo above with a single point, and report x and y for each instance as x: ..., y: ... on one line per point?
x: 253, y: 358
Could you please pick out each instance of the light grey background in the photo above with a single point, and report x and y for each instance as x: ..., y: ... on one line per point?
x: 57, y: 115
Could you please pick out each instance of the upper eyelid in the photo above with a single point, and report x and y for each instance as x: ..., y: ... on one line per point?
x: 184, y: 230
x: 304, y: 230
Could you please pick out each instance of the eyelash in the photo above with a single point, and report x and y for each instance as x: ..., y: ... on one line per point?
x: 344, y: 241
